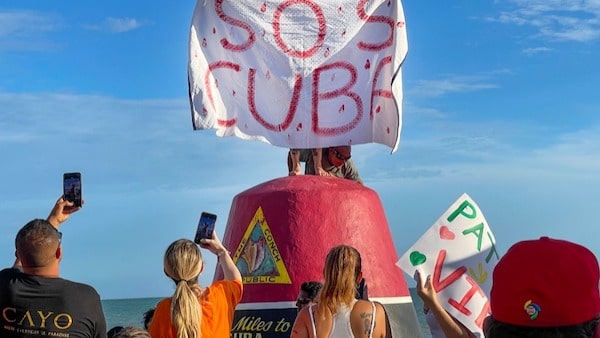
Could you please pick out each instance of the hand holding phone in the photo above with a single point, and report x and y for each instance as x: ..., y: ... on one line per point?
x: 72, y: 188
x: 206, y: 226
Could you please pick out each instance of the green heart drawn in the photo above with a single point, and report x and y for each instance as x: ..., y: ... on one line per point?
x: 417, y: 258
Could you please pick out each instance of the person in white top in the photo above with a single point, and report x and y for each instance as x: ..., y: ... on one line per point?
x: 337, y: 312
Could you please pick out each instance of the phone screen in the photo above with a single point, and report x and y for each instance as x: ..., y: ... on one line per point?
x: 206, y: 226
x: 72, y: 188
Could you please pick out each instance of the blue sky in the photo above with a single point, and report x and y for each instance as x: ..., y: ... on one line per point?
x: 501, y: 102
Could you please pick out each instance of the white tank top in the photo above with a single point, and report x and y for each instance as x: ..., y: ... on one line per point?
x: 341, y: 327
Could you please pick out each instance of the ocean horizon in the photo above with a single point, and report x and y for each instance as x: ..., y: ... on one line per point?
x: 130, y: 311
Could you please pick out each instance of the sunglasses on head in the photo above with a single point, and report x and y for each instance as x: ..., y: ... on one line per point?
x: 340, y: 156
x: 59, y: 236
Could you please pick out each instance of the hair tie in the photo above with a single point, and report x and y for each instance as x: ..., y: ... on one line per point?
x: 181, y: 280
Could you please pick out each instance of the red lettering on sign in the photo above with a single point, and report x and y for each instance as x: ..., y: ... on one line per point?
x: 362, y: 14
x: 379, y: 92
x: 485, y: 311
x: 438, y: 284
x: 291, y: 109
x: 322, y: 24
x: 344, y: 91
x: 235, y: 22
x: 462, y: 305
x: 227, y: 123
x: 211, y: 68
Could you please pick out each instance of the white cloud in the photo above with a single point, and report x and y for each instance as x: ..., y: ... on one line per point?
x: 496, y: 153
x: 22, y: 30
x: 25, y: 23
x: 136, y: 134
x: 115, y: 25
x: 535, y: 50
x: 556, y: 20
x: 119, y: 25
x: 451, y: 84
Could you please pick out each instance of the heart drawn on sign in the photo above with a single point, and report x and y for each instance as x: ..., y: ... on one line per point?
x: 445, y: 233
x: 417, y: 258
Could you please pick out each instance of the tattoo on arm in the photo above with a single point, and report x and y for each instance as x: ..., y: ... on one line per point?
x: 367, y: 318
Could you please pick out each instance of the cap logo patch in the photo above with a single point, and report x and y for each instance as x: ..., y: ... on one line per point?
x: 532, y: 309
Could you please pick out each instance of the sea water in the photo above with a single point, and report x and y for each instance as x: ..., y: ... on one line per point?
x: 130, y: 312
x: 127, y: 312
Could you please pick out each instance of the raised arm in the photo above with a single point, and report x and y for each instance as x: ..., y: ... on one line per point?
x: 214, y: 245
x: 451, y: 327
x: 61, y: 212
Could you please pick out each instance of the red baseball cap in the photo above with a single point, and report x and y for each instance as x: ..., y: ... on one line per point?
x: 546, y: 283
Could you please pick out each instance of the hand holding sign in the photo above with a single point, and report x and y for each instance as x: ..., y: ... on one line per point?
x: 458, y: 254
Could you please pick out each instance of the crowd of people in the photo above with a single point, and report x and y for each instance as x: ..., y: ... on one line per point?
x: 545, y: 288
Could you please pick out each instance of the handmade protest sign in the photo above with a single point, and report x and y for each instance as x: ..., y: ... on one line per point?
x: 459, y: 252
x: 298, y: 73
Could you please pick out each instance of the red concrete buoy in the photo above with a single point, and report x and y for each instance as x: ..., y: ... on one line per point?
x: 279, y: 233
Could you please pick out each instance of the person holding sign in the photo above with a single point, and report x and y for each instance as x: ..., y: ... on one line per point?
x: 441, y: 323
x: 545, y: 288
x: 459, y: 253
x: 336, y: 303
x: 332, y: 162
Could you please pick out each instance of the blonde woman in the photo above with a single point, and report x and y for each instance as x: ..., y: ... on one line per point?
x: 338, y: 313
x: 195, y: 311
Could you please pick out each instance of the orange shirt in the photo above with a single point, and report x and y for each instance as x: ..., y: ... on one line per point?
x: 218, y: 306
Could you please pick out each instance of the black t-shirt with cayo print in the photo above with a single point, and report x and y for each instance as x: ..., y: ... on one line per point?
x: 34, y: 306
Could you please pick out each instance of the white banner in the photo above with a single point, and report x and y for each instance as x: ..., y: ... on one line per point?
x: 459, y: 253
x: 298, y: 74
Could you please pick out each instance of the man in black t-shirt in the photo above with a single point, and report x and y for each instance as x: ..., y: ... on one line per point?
x: 34, y: 300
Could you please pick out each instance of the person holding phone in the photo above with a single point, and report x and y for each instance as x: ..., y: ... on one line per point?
x: 194, y: 310
x: 337, y: 312
x: 34, y: 299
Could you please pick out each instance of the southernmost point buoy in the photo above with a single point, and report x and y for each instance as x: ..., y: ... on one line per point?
x: 279, y: 233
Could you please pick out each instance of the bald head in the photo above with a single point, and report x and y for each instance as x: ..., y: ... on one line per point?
x: 37, y: 243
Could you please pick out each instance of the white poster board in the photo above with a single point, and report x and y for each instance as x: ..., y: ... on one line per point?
x: 459, y: 253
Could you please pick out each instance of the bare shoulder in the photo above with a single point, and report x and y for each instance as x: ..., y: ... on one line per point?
x: 362, y: 318
x: 302, y: 315
x: 365, y: 305
x: 379, y: 307
x: 381, y: 325
x: 300, y: 328
x: 362, y: 304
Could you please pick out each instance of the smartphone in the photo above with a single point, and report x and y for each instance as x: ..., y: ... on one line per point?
x: 206, y: 226
x: 72, y: 188
x: 361, y: 290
